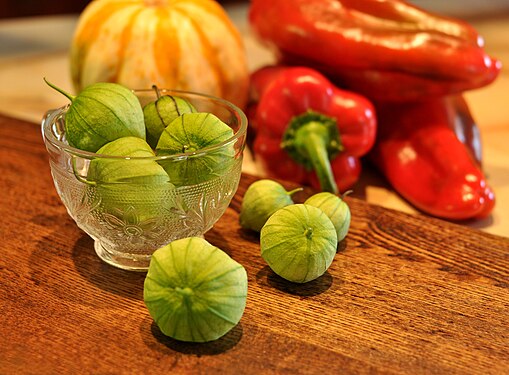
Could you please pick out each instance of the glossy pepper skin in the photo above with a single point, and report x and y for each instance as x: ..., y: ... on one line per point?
x: 308, y: 130
x: 420, y: 154
x: 385, y: 49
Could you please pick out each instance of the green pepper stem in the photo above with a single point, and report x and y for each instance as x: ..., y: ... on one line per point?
x: 312, y: 143
x: 65, y: 93
x: 312, y: 140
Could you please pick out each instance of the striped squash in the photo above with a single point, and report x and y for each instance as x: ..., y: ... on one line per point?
x: 177, y: 44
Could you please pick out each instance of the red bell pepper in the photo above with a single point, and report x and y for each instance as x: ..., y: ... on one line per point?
x: 384, y: 49
x: 420, y: 154
x: 308, y: 130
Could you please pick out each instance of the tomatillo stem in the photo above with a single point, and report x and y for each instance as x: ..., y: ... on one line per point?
x: 156, y: 89
x: 291, y: 192
x: 65, y: 93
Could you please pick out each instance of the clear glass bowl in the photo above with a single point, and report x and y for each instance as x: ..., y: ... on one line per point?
x: 130, y: 220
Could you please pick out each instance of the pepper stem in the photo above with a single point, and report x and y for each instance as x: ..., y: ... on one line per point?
x: 312, y: 140
x: 65, y: 93
x: 313, y: 144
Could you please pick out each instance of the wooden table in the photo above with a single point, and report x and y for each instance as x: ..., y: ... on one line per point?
x: 405, y: 294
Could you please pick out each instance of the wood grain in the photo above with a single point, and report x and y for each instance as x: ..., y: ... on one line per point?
x: 405, y: 294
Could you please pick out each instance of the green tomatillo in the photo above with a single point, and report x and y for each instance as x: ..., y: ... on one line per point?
x: 195, y: 291
x: 335, y: 208
x: 298, y: 242
x: 192, y: 138
x: 130, y: 180
x: 261, y: 200
x: 101, y: 113
x: 161, y: 112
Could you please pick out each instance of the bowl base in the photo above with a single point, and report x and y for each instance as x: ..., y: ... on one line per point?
x: 129, y: 262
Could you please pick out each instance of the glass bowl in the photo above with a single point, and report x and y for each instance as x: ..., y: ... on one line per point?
x: 131, y: 219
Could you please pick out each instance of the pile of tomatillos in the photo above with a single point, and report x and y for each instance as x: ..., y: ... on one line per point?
x: 108, y: 119
x: 196, y: 292
x: 298, y: 241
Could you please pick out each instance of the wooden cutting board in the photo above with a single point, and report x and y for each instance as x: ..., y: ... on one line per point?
x: 405, y: 294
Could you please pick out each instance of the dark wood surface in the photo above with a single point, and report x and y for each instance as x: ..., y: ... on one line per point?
x: 405, y: 294
x: 30, y: 8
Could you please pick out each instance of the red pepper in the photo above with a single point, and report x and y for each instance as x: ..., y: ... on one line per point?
x: 308, y: 130
x: 465, y: 127
x: 418, y: 151
x: 384, y: 49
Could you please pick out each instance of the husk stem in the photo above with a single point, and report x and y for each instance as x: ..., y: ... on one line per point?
x: 291, y: 192
x: 65, y: 93
x: 156, y: 89
x: 312, y: 139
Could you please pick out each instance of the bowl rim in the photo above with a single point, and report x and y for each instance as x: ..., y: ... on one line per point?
x: 53, y: 114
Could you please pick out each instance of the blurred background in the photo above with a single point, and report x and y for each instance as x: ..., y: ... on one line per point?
x: 462, y: 8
